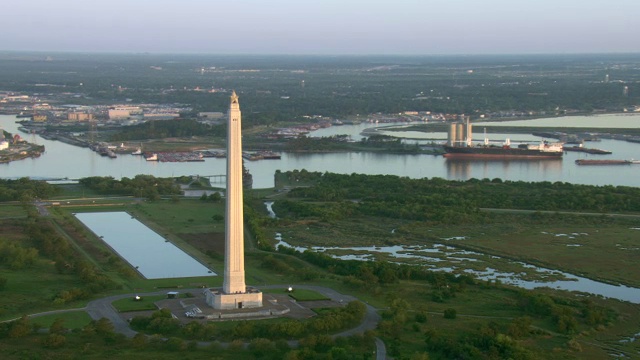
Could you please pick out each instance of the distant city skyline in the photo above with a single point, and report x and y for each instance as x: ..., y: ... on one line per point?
x: 328, y: 27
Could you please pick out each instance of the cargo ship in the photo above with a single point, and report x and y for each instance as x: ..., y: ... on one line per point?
x: 522, y: 151
x: 459, y: 145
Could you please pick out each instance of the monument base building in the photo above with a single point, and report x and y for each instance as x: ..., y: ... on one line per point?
x: 217, y: 299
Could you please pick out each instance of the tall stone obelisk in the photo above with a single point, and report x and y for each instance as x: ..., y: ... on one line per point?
x: 234, y: 239
x: 234, y: 293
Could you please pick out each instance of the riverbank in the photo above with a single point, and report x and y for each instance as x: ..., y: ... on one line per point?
x: 17, y: 152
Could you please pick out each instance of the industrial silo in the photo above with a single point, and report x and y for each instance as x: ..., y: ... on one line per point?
x: 452, y: 134
x: 460, y: 134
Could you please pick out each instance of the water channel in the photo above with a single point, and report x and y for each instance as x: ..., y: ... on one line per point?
x: 65, y: 161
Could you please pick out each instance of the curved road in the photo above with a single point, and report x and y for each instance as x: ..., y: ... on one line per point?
x: 102, y: 308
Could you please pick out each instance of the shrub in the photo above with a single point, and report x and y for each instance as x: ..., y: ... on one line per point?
x: 450, y: 313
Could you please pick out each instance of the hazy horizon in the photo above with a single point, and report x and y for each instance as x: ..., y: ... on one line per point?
x: 330, y: 27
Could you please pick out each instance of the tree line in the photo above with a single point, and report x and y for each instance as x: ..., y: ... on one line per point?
x: 23, y: 338
x: 162, y: 322
x: 147, y: 186
x: 25, y: 189
x: 445, y: 201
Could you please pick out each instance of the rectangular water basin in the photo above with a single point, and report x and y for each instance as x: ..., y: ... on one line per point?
x: 152, y: 255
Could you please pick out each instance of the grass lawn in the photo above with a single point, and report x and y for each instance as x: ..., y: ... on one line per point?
x: 148, y: 285
x: 300, y: 294
x: 131, y: 304
x: 184, y: 216
x: 72, y: 320
x: 34, y: 290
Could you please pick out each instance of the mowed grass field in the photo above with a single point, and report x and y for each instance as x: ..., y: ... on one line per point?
x: 34, y: 289
x: 71, y: 320
x: 184, y: 216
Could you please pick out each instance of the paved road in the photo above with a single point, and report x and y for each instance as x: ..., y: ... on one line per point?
x: 48, y: 313
x: 42, y: 207
x: 381, y: 350
x: 371, y: 318
x: 102, y: 308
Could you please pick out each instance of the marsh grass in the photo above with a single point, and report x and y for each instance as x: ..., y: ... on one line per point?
x: 607, y: 250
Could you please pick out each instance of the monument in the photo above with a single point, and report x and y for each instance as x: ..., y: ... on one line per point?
x: 234, y: 293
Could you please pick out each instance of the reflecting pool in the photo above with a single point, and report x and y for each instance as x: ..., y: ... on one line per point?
x: 148, y: 252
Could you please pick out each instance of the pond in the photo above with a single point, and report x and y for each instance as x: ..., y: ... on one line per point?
x: 148, y: 252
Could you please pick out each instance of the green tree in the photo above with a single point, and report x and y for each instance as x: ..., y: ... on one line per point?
x: 139, y: 340
x: 450, y: 313
x: 215, y: 197
x: 54, y: 341
x: 175, y: 344
x: 57, y: 327
x: 20, y: 328
x: 261, y: 347
x: 103, y: 326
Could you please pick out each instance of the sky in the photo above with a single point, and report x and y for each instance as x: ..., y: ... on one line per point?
x: 332, y: 27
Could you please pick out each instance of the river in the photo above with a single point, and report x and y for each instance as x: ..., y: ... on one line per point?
x: 65, y: 161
